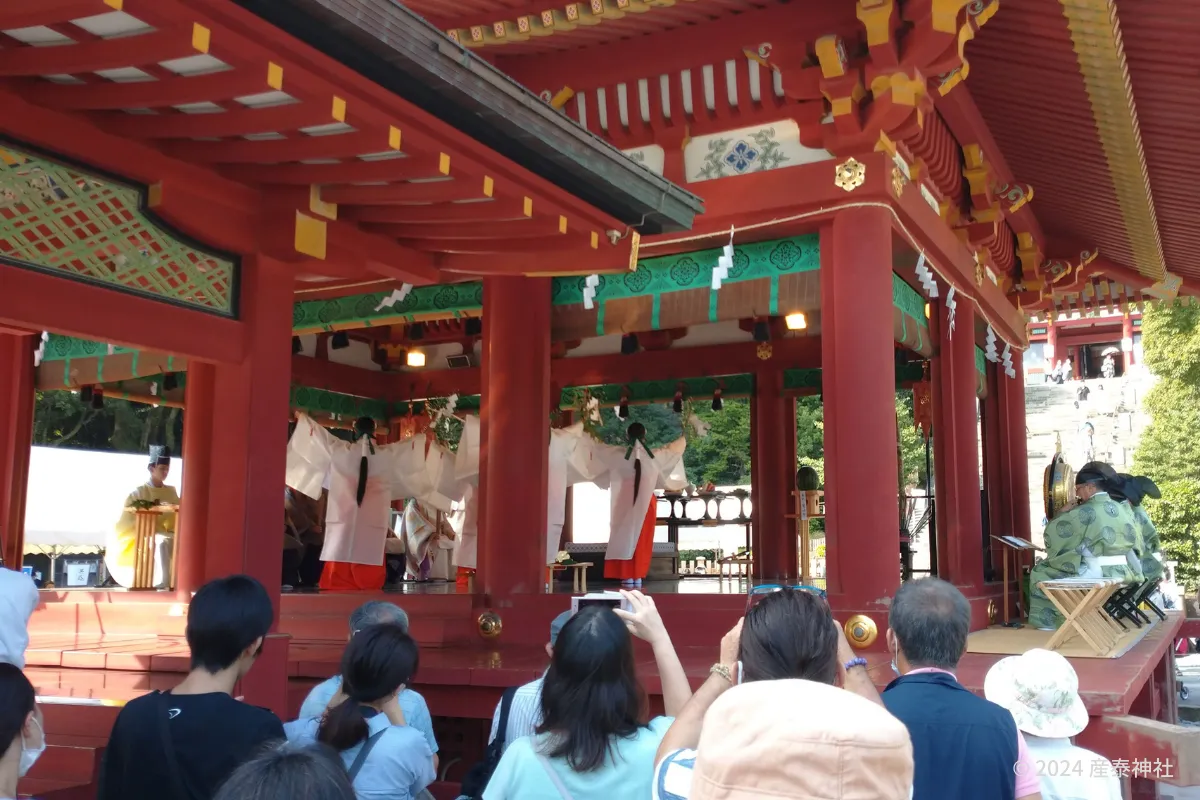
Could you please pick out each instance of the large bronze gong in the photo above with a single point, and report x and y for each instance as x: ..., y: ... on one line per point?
x: 1058, y: 486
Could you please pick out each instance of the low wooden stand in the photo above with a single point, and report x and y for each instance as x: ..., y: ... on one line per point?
x: 145, y: 529
x: 1081, y: 601
x: 578, y: 579
x: 1016, y: 545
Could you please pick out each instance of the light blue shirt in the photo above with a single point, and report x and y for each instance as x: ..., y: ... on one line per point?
x: 399, y: 767
x: 628, y: 772
x: 416, y: 712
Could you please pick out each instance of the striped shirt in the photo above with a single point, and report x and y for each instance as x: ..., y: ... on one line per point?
x: 524, y: 715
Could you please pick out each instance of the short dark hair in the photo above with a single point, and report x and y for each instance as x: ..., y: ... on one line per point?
x: 378, y: 660
x: 789, y: 634
x: 377, y: 612
x: 591, y: 695
x: 288, y: 772
x: 931, y: 620
x: 17, y: 702
x: 224, y: 618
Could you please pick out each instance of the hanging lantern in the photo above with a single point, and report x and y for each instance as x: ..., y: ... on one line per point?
x: 923, y: 407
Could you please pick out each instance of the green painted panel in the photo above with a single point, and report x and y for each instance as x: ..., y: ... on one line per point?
x: 663, y: 391
x: 61, y: 348
x: 656, y: 276
x: 908, y: 300
x: 320, y: 401
x: 82, y: 227
x: 364, y: 311
x: 980, y: 361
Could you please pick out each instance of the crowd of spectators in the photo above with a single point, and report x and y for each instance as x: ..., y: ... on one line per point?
x: 787, y: 710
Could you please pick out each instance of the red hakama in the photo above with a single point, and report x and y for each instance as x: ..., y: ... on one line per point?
x: 637, y: 567
x: 340, y: 576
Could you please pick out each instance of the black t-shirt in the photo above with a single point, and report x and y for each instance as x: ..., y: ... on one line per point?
x: 210, y: 735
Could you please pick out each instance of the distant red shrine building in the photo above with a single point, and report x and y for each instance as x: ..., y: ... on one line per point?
x: 177, y: 175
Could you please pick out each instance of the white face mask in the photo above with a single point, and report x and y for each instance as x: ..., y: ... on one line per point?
x: 30, y: 755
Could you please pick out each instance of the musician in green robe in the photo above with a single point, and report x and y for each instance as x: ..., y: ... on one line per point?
x: 1136, y: 488
x: 1096, y: 538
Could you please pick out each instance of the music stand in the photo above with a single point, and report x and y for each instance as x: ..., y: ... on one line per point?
x: 1013, y: 544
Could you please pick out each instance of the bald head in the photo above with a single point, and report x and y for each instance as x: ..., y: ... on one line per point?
x: 377, y: 612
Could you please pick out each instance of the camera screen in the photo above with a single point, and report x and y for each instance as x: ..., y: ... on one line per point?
x: 613, y: 603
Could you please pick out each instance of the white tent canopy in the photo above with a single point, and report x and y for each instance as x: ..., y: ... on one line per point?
x: 76, y: 496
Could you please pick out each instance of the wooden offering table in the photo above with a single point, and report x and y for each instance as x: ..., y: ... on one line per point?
x: 578, y: 579
x: 146, y: 528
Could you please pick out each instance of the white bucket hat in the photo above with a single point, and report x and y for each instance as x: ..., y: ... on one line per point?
x: 1041, y: 690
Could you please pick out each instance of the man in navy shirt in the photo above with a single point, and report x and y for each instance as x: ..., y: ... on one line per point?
x: 963, y: 745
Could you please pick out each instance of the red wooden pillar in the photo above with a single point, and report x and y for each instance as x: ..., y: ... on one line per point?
x: 773, y: 465
x: 248, y: 454
x: 517, y: 399
x: 1014, y: 445
x: 1127, y: 340
x: 999, y: 508
x: 16, y: 437
x: 859, y: 387
x: 197, y: 452
x: 958, y: 464
x: 1051, y: 351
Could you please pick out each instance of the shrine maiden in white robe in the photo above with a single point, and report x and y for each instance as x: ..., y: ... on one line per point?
x: 606, y: 465
x: 562, y: 473
x: 356, y: 533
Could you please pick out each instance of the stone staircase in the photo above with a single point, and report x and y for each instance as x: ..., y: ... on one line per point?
x: 1114, y: 409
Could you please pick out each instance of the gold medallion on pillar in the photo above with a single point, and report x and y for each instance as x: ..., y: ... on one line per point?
x: 898, y: 181
x: 765, y: 351
x: 490, y: 625
x: 991, y: 612
x: 861, y: 631
x: 850, y: 174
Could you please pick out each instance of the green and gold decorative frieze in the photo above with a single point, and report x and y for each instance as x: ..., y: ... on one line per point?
x: 66, y: 222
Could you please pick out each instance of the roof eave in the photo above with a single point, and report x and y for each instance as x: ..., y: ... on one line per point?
x: 397, y: 49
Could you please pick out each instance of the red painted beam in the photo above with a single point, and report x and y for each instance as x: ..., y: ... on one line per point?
x: 516, y: 260
x: 352, y: 170
x: 73, y: 137
x: 98, y: 54
x: 110, y: 96
x: 319, y: 374
x: 49, y: 12
x: 679, y: 363
x: 236, y: 122
x: 446, y: 191
x: 33, y: 299
x: 447, y: 214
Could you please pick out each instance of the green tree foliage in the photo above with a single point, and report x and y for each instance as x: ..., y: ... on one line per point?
x: 723, y: 456
x: 1171, y: 341
x: 911, y: 442
x: 62, y: 419
x: 1169, y: 450
x: 1177, y: 518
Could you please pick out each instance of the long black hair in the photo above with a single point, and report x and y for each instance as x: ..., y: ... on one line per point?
x: 364, y: 427
x: 789, y: 634
x: 376, y: 663
x: 591, y: 694
x: 636, y: 433
x: 17, y: 702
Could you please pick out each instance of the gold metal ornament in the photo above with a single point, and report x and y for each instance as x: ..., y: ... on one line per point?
x: 991, y: 612
x: 861, y: 631
x: 850, y: 174
x: 490, y: 625
x: 765, y: 351
x: 1058, y: 485
x: 898, y: 181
